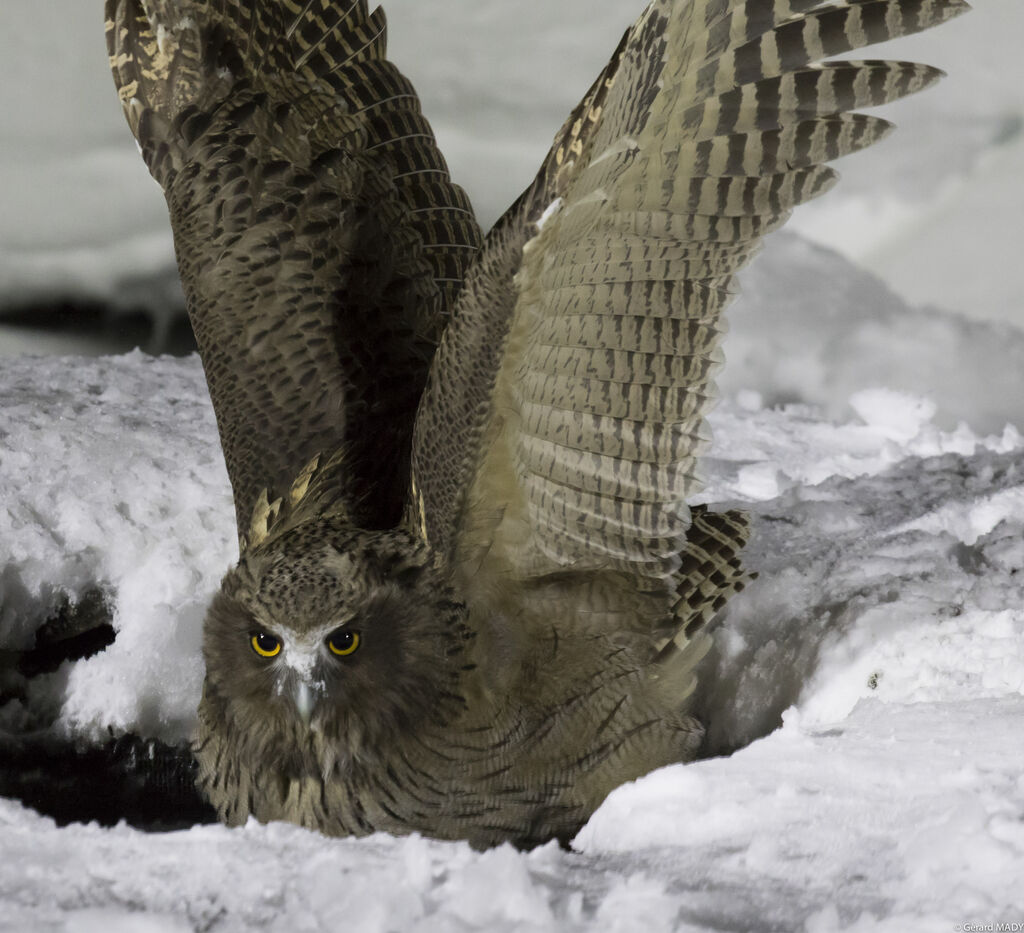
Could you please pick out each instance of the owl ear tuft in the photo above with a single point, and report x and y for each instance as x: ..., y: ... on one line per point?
x: 264, y: 515
x: 314, y: 489
x: 301, y: 484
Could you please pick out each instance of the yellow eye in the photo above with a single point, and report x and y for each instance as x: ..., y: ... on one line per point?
x: 266, y: 646
x: 343, y: 643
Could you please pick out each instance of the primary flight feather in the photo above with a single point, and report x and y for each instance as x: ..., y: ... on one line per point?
x: 471, y: 594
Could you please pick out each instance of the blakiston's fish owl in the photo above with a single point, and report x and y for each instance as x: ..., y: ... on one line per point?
x: 471, y: 595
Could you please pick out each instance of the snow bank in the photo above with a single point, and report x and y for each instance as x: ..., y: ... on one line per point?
x: 811, y: 327
x: 888, y: 553
x: 903, y: 818
x: 112, y: 477
x: 935, y: 210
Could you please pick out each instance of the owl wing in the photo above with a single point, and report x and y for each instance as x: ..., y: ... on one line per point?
x: 564, y: 415
x: 319, y: 238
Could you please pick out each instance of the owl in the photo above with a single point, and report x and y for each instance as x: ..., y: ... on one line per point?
x: 471, y: 595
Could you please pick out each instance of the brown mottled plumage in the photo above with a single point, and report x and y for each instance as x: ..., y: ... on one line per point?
x: 471, y: 594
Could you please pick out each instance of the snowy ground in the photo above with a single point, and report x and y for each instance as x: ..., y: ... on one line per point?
x: 866, y: 694
x: 884, y: 822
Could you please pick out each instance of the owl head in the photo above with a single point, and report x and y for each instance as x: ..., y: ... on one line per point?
x: 326, y: 641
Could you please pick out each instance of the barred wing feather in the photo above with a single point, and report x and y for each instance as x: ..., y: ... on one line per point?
x: 712, y: 122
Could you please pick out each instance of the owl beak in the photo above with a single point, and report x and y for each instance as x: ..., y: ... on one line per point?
x: 304, y: 701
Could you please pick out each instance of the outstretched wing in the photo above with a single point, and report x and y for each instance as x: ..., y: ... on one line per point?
x: 564, y: 416
x: 319, y: 238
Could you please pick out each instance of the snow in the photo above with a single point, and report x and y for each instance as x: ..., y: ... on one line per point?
x: 865, y: 694
x: 844, y: 329
x: 129, y: 493
x: 859, y: 820
x: 884, y: 822
x: 948, y: 183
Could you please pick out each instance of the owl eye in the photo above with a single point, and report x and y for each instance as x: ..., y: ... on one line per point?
x: 343, y: 643
x: 266, y: 646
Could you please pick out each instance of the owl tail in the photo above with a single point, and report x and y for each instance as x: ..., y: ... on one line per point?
x: 710, y: 575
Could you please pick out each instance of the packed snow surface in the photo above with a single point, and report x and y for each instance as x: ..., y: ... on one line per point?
x: 886, y: 821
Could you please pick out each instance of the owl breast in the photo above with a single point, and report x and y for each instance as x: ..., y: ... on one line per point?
x: 532, y: 738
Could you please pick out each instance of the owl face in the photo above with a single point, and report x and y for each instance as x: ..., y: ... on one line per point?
x: 326, y: 637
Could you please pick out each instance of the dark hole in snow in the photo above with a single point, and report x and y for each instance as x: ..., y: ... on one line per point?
x: 970, y: 558
x: 74, y: 631
x: 145, y: 782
